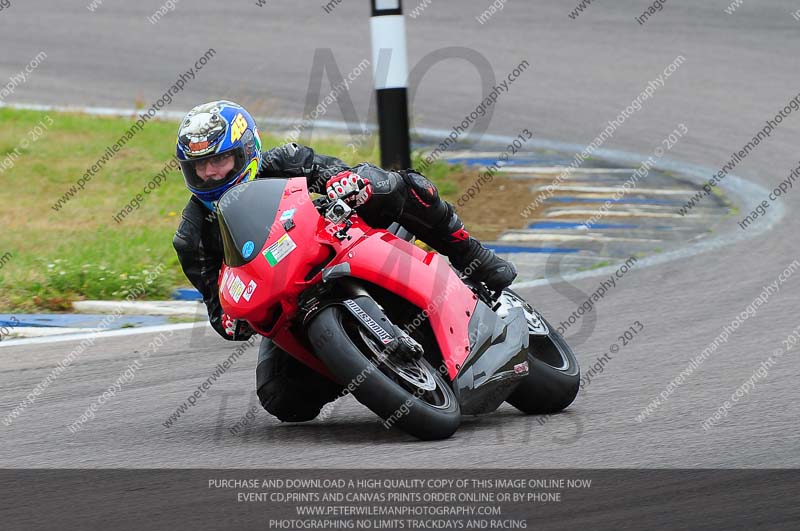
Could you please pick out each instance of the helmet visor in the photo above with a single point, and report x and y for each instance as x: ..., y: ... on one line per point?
x: 213, y: 171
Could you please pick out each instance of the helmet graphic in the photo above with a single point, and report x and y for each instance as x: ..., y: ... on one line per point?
x: 218, y: 148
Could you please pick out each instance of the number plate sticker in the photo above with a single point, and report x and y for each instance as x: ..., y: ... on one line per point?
x: 279, y: 250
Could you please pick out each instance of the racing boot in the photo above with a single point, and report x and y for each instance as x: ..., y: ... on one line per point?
x: 469, y: 256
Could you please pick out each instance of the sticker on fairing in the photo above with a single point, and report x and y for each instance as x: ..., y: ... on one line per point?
x: 247, y: 249
x: 289, y: 214
x: 236, y: 289
x: 279, y: 250
x: 251, y: 288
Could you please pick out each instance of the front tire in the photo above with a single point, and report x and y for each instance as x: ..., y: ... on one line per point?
x: 554, y: 374
x: 412, y: 396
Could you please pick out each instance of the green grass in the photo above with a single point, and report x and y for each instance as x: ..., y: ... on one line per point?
x: 80, y: 252
x: 596, y: 265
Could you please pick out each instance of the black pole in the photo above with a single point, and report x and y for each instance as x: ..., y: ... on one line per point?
x: 388, y: 30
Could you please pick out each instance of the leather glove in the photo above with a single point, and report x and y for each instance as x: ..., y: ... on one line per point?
x: 346, y: 182
x: 235, y: 329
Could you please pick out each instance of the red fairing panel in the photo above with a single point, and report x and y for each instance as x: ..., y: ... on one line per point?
x: 264, y: 287
x: 424, y: 279
x: 252, y: 292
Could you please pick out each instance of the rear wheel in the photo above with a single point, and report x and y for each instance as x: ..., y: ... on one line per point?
x: 554, y: 375
x: 410, y: 395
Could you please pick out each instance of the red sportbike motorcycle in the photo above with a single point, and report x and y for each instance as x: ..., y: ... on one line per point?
x: 394, y: 324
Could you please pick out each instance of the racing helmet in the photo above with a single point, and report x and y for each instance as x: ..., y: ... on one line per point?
x: 213, y: 133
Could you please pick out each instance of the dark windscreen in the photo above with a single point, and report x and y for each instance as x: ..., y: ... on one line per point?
x: 246, y: 214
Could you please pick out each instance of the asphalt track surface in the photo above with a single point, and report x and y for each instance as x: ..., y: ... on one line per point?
x: 740, y: 70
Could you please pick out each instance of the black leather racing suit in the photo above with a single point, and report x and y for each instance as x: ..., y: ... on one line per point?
x: 287, y: 388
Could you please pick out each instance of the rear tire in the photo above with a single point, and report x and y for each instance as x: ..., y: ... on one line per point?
x: 554, y: 374
x: 428, y: 414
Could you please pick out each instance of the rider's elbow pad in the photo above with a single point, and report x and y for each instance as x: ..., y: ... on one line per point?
x: 182, y: 244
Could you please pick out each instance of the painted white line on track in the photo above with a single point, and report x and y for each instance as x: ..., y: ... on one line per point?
x: 623, y: 207
x: 554, y: 170
x: 102, y: 335
x: 533, y: 237
x: 539, y: 178
x: 171, y: 308
x: 614, y: 189
x: 48, y: 331
x: 95, y: 111
x: 610, y: 214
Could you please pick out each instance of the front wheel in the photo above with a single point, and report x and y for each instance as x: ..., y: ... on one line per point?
x: 554, y: 375
x: 410, y: 395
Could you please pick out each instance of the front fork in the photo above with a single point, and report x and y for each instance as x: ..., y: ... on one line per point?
x: 351, y: 296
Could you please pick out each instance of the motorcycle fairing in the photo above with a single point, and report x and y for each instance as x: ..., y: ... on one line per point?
x: 273, y: 285
x: 281, y: 265
x: 424, y: 279
x: 497, y: 361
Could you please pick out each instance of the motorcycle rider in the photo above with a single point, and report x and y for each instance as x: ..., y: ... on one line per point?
x: 219, y: 147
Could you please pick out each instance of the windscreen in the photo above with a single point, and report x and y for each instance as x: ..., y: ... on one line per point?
x: 246, y: 214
